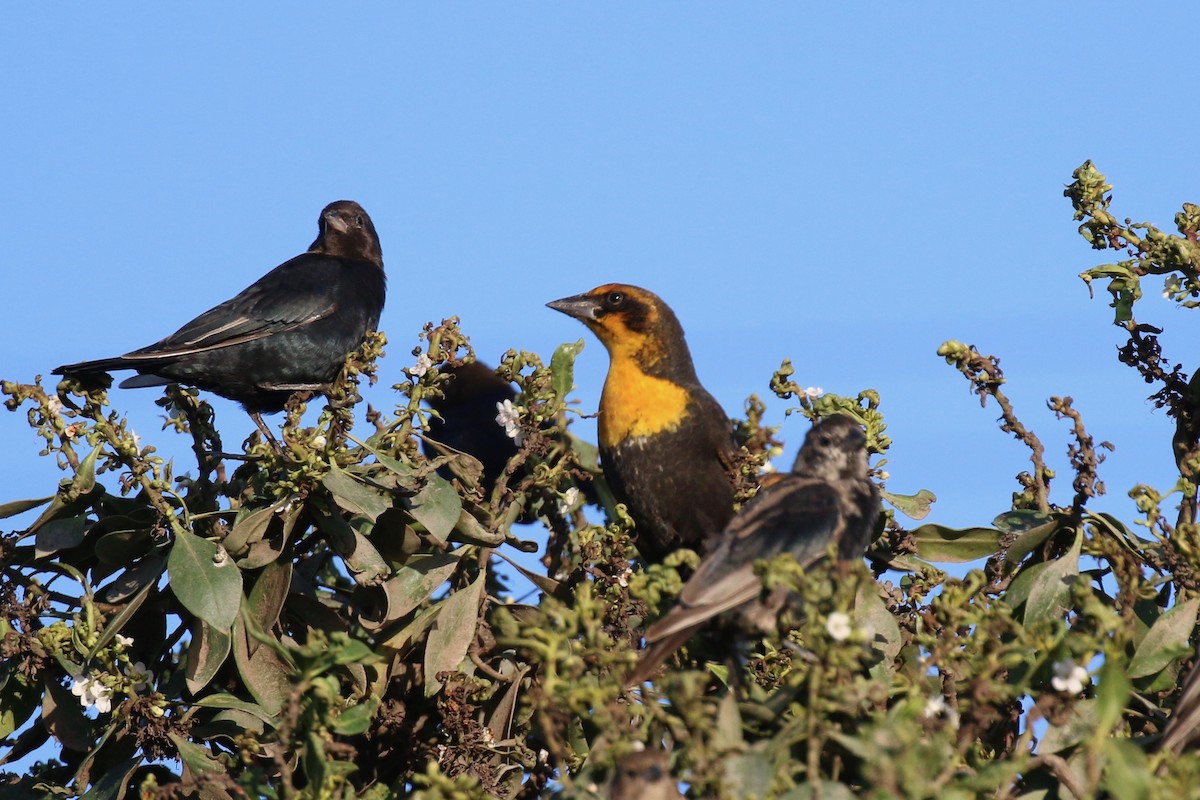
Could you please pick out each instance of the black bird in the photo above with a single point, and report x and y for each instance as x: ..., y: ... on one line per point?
x: 290, y: 331
x: 666, y: 445
x: 827, y: 497
x: 644, y: 775
x: 468, y: 409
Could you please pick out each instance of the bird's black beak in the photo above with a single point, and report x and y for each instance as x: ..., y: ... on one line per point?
x: 582, y: 307
x: 334, y: 221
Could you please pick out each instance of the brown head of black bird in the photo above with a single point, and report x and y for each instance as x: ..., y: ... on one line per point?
x: 666, y: 445
x: 289, y: 331
x: 644, y: 775
x: 827, y: 498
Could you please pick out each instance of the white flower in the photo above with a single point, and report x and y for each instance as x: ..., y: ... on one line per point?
x: 768, y: 468
x: 93, y: 694
x: 838, y: 626
x: 1171, y: 286
x: 623, y: 578
x: 813, y: 391
x: 424, y: 362
x: 510, y: 418
x: 319, y: 441
x: 571, y: 497
x: 139, y: 676
x: 54, y: 404
x: 1069, y: 677
x: 935, y: 707
x: 124, y: 641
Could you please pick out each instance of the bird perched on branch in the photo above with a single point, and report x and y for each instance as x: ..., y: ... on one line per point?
x: 644, y: 775
x: 828, y: 497
x: 290, y: 331
x: 666, y: 445
x: 467, y: 421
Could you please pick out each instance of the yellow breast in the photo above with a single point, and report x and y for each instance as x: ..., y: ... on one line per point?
x: 635, y: 404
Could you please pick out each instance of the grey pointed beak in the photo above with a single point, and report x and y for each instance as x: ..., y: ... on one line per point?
x: 581, y: 306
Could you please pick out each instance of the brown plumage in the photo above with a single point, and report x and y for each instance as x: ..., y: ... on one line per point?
x: 827, y: 497
x: 644, y: 775
x: 665, y: 443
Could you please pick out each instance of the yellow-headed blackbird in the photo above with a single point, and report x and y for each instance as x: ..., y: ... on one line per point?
x: 468, y: 408
x: 644, y: 776
x: 665, y: 443
x: 289, y: 331
x: 827, y: 497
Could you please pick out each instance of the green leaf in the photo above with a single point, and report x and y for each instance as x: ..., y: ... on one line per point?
x: 562, y: 368
x: 937, y: 543
x: 356, y: 719
x: 1112, y: 693
x: 265, y: 673
x: 206, y: 580
x: 222, y: 700
x: 110, y: 785
x: 313, y: 759
x: 205, y: 655
x: 913, y: 506
x: 453, y: 632
x: 353, y: 496
x: 415, y: 581
x: 249, y: 527
x: 1078, y: 726
x: 1022, y: 519
x: 18, y: 699
x: 1049, y: 593
x: 870, y: 613
x: 1166, y: 640
x: 196, y: 757
x: 150, y: 569
x: 17, y: 506
x: 436, y: 507
x: 1029, y: 540
x: 269, y: 593
x: 1127, y: 774
x: 60, y: 534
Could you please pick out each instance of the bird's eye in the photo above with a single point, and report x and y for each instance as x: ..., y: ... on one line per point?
x: 614, y: 299
x: 359, y: 221
x: 653, y: 773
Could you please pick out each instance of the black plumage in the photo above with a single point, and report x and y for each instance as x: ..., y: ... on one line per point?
x: 828, y: 497
x: 289, y: 331
x: 467, y: 422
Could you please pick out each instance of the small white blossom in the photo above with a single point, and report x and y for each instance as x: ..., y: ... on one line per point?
x: 93, y: 694
x: 54, y: 404
x: 571, y: 497
x: 124, y: 641
x: 1069, y: 677
x: 510, y: 419
x: 935, y: 707
x: 768, y: 468
x: 838, y: 626
x: 319, y: 441
x: 813, y: 391
x: 424, y: 362
x: 1171, y: 286
x: 140, y: 677
x: 623, y: 578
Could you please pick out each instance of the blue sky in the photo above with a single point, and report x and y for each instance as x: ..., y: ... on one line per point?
x: 845, y: 185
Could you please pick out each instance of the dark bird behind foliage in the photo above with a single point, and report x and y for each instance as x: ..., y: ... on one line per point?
x: 468, y: 409
x: 666, y: 445
x: 644, y: 776
x: 1182, y: 731
x: 290, y: 331
x: 828, y: 497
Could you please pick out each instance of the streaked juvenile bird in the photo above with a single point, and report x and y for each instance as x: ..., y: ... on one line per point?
x: 644, y: 776
x: 468, y: 408
x: 290, y: 331
x: 827, y: 497
x: 666, y: 445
